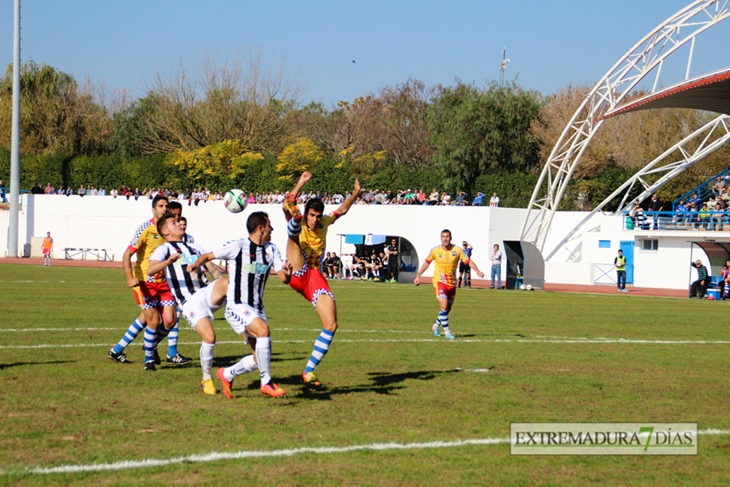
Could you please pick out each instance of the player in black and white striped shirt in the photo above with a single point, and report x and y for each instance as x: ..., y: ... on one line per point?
x: 198, y: 299
x: 249, y: 263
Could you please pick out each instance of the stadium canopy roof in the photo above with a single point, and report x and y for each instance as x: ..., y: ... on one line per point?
x: 709, y: 92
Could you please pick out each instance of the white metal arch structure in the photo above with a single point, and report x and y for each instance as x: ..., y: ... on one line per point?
x: 712, y: 136
x: 646, y: 56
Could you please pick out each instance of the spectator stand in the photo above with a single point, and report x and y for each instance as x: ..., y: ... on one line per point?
x: 667, y: 220
x: 718, y: 253
x: 704, y: 190
x: 87, y: 254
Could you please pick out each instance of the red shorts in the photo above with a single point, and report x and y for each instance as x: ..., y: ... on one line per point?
x: 310, y: 283
x: 443, y: 291
x: 153, y: 294
x: 45, y: 251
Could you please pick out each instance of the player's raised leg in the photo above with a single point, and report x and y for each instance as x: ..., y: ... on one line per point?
x: 327, y: 311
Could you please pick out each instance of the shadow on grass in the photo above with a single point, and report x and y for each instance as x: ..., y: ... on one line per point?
x: 53, y: 362
x: 380, y: 383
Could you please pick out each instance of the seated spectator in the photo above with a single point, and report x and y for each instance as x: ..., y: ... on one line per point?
x: 375, y: 266
x: 494, y: 200
x: 460, y: 198
x: 48, y: 189
x: 360, y: 265
x: 102, y: 192
x: 680, y: 214
x: 36, y: 189
x: 719, y: 185
x: 704, y: 217
x: 478, y: 199
x: 699, y: 287
x: 333, y: 267
x: 433, y: 198
x: 61, y: 190
x: 445, y: 199
x: 637, y: 215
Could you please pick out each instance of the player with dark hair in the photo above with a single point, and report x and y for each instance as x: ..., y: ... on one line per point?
x: 249, y: 262
x: 198, y: 299
x: 447, y: 257
x: 151, y: 293
x: 307, y: 240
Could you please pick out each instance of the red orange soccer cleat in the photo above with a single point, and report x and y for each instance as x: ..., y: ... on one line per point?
x: 226, y: 384
x: 272, y: 390
x: 291, y: 209
x: 310, y: 379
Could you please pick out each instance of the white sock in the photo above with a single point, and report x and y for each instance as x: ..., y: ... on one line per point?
x: 244, y: 366
x: 263, y: 356
x: 206, y: 359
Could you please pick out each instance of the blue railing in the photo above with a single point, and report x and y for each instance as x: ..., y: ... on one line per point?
x: 704, y: 190
x: 673, y: 220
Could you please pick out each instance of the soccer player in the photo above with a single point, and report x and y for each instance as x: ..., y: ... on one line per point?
x: 198, y: 299
x: 151, y: 293
x: 307, y: 239
x: 249, y: 262
x: 447, y: 257
x: 47, y: 250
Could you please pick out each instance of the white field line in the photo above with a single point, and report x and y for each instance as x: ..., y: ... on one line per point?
x: 622, y: 341
x: 218, y: 456
x: 186, y: 329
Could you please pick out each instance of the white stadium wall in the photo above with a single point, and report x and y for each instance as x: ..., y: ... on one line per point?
x: 107, y: 223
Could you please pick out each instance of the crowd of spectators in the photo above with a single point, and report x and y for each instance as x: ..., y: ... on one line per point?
x: 195, y: 196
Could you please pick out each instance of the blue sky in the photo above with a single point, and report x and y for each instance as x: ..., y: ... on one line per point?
x: 550, y: 42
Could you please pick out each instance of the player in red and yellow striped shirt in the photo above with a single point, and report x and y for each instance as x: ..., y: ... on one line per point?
x: 447, y: 258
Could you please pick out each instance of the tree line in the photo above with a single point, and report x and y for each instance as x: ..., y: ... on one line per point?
x: 235, y: 124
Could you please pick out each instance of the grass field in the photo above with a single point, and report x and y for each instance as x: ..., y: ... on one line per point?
x: 518, y: 357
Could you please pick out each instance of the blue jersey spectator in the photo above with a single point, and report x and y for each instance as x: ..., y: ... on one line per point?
x: 478, y: 199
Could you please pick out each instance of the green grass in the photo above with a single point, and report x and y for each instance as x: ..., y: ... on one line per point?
x: 387, y: 380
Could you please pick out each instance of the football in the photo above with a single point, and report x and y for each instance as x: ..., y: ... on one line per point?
x: 235, y: 201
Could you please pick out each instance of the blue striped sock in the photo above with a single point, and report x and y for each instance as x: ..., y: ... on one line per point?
x: 444, y: 321
x: 293, y: 229
x: 172, y: 339
x: 321, y: 346
x: 132, y: 332
x: 149, y: 344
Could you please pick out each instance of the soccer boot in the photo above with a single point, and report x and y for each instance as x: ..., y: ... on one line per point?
x: 208, y: 387
x: 291, y: 208
x: 226, y: 384
x: 449, y: 336
x: 156, y: 356
x: 179, y: 360
x: 117, y: 357
x: 435, y: 329
x: 310, y: 379
x: 272, y: 390
x: 150, y: 366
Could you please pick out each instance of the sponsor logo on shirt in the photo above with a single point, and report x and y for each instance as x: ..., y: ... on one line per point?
x: 256, y: 268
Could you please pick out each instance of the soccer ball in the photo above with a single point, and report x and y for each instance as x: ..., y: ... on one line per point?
x: 235, y: 201
x: 529, y: 287
x: 523, y: 287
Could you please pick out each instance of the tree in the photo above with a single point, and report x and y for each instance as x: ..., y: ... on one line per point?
x: 475, y: 130
x: 298, y: 157
x: 216, y: 164
x: 192, y: 109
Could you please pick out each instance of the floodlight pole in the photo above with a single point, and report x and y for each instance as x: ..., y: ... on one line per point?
x: 15, y: 141
x: 503, y: 66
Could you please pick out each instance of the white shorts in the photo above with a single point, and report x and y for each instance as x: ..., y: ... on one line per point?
x: 199, y: 306
x: 239, y: 316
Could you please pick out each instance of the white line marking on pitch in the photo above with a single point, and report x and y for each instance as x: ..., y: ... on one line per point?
x: 218, y: 456
x: 416, y: 340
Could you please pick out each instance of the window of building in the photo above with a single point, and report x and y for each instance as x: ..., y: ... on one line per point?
x: 650, y: 244
x: 604, y: 244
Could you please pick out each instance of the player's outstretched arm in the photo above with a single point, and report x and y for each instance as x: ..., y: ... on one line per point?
x: 127, y: 265
x: 345, y: 206
x: 423, y: 268
x: 306, y: 176
x: 200, y: 262
x: 473, y: 265
x: 156, y: 266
